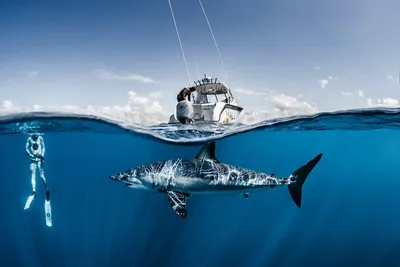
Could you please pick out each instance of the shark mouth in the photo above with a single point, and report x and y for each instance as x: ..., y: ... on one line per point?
x: 135, y: 183
x: 131, y: 182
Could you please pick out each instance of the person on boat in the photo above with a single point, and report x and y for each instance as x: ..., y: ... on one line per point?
x: 185, y: 92
x: 35, y: 149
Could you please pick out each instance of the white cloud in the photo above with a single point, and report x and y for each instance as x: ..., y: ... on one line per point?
x: 280, y: 105
x: 383, y: 102
x: 276, y: 105
x: 7, y: 105
x: 317, y: 68
x: 138, y: 109
x: 155, y: 95
x: 109, y: 75
x: 285, y: 105
x: 323, y: 83
x: 378, y: 102
x: 346, y: 94
x: 368, y: 102
x: 145, y: 109
x: 349, y: 94
x: 249, y: 92
x: 390, y: 78
x: 32, y: 74
x: 36, y: 107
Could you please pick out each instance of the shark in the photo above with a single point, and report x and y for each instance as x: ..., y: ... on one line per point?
x: 204, y: 174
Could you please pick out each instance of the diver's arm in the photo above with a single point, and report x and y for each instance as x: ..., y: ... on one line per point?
x: 43, y: 146
x: 27, y: 147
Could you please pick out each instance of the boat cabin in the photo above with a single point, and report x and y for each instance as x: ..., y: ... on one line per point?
x: 208, y: 90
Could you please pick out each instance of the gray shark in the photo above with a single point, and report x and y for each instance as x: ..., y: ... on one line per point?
x: 179, y: 179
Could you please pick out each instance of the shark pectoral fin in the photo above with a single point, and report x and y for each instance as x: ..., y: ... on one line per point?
x: 207, y: 152
x: 177, y: 201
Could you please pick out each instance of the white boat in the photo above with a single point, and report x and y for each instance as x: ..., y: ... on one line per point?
x: 214, y: 103
x: 203, y: 108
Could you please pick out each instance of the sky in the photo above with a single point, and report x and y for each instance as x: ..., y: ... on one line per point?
x: 122, y: 58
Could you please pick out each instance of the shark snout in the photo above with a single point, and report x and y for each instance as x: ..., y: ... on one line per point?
x: 118, y: 177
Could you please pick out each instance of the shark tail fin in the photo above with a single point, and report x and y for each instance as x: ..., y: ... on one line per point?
x: 298, y: 177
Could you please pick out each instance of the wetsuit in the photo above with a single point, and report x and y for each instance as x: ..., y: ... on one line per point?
x: 35, y: 149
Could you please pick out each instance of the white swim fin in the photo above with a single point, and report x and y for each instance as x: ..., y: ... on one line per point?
x: 29, y: 201
x: 47, y: 209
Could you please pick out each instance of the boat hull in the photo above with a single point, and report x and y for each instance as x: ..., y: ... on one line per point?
x: 220, y: 112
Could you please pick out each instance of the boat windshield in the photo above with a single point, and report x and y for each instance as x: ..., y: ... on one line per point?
x: 207, y: 98
x: 202, y: 98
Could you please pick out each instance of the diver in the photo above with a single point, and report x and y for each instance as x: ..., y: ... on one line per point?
x: 185, y: 92
x: 35, y: 149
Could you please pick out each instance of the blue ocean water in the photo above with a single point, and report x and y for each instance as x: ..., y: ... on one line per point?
x: 350, y: 203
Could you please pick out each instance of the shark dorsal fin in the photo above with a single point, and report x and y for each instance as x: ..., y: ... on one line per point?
x: 207, y: 152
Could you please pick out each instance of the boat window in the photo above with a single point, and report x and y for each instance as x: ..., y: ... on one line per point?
x: 222, y: 98
x: 202, y: 98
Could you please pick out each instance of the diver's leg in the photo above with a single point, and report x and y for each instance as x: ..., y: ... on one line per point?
x: 42, y: 176
x: 47, y: 206
x: 33, y: 181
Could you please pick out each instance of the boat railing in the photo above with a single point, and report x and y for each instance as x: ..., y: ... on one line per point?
x: 206, y: 81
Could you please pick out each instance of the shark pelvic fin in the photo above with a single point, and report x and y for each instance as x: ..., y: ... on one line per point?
x: 177, y: 201
x: 207, y: 152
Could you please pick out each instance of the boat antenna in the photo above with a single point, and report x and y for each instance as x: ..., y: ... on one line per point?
x: 180, y: 43
x: 197, y: 68
x: 215, y: 42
